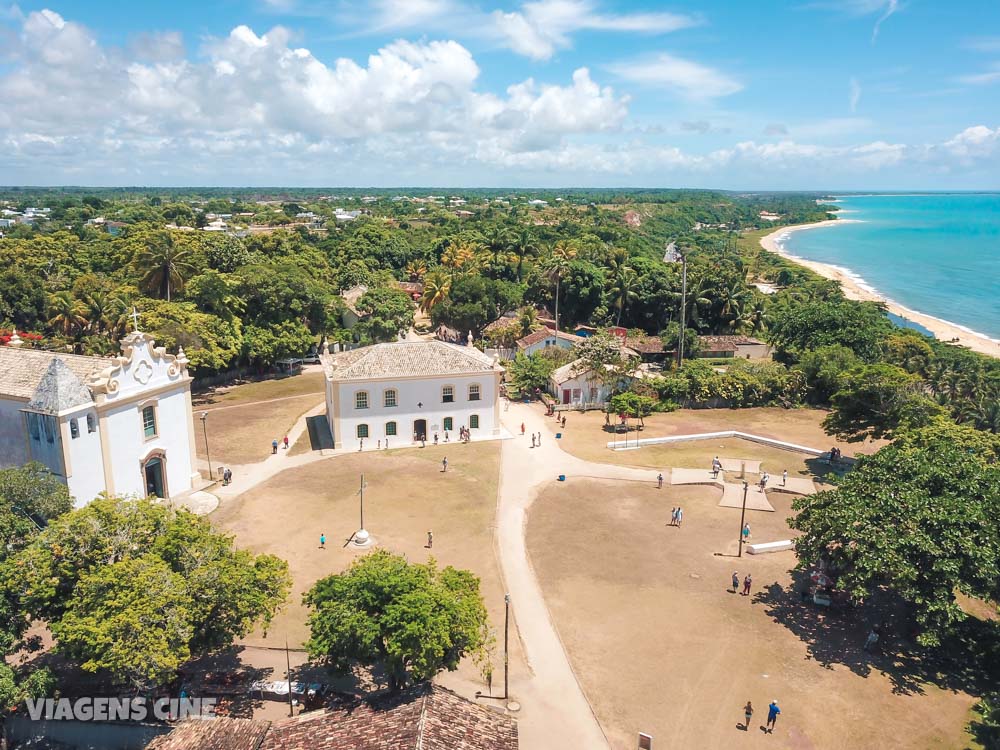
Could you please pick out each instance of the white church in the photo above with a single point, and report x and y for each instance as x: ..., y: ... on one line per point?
x: 402, y: 392
x: 119, y: 425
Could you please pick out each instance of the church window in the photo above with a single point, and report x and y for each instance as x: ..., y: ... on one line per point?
x: 362, y: 430
x: 474, y: 392
x: 390, y: 429
x: 447, y: 394
x: 474, y: 422
x: 389, y: 397
x: 74, y: 429
x: 149, y: 421
x: 448, y: 424
x: 361, y: 400
x: 91, y: 423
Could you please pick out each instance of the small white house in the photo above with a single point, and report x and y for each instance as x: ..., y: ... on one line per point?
x: 538, y: 340
x: 404, y: 391
x: 576, y: 384
x: 119, y: 425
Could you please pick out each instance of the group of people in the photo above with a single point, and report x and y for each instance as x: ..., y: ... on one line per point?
x: 772, y: 716
x: 716, y: 467
x: 676, y: 516
x: 227, y: 476
x: 274, y: 444
x: 835, y: 455
x: 764, y: 479
x: 536, y: 440
x: 747, y: 583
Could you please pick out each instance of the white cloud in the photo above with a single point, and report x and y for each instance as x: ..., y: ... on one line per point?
x: 855, y: 95
x: 977, y: 141
x: 684, y: 77
x: 860, y: 8
x: 542, y: 27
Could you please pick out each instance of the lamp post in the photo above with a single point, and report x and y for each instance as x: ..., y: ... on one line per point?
x: 746, y: 487
x: 506, y: 656
x: 204, y: 429
x: 680, y: 332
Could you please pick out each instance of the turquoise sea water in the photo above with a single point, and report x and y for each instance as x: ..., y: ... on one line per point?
x: 935, y: 254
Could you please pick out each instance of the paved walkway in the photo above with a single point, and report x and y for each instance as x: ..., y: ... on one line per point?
x: 557, y: 714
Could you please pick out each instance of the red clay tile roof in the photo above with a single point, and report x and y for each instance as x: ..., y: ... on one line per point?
x: 645, y: 344
x: 544, y: 333
x: 213, y: 734
x: 726, y: 343
x: 423, y: 718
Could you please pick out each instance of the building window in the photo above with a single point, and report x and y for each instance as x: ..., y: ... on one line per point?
x: 593, y: 394
x: 390, y: 429
x: 361, y: 400
x: 448, y: 424
x: 149, y: 421
x: 474, y: 392
x: 474, y: 422
x: 447, y: 395
x: 74, y: 429
x: 91, y: 423
x: 362, y: 430
x: 389, y: 397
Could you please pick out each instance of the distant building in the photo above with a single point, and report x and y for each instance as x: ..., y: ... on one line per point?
x: 118, y: 425
x: 738, y: 347
x: 351, y: 316
x: 545, y: 337
x: 406, y: 390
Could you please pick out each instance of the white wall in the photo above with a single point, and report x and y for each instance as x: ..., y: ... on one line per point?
x: 583, y: 383
x: 549, y: 341
x: 85, y: 469
x: 410, y: 392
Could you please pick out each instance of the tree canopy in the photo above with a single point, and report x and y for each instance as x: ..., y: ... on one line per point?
x: 412, y: 619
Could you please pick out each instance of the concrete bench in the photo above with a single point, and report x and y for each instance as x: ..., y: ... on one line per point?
x: 760, y: 549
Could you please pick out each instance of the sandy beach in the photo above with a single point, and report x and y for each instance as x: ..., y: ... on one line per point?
x: 941, y: 329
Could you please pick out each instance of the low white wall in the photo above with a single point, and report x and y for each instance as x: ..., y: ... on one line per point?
x: 618, y: 445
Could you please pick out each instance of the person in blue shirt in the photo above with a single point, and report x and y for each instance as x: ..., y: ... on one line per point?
x: 772, y: 715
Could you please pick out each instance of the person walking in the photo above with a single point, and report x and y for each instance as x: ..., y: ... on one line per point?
x: 871, y: 640
x: 659, y: 481
x: 322, y: 541
x: 274, y: 446
x: 747, y: 583
x: 748, y: 715
x: 673, y: 516
x: 736, y: 581
x: 746, y: 532
x: 532, y: 440
x: 784, y: 477
x: 772, y: 715
x: 430, y: 540
x: 285, y: 441
x: 522, y: 429
x: 563, y: 423
x: 680, y: 515
x: 444, y: 464
x: 539, y: 440
x: 435, y: 438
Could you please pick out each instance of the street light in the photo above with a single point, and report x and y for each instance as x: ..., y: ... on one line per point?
x: 506, y: 630
x: 204, y: 428
x: 673, y: 255
x: 746, y: 486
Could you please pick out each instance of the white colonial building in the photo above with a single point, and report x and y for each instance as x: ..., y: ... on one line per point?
x: 406, y: 390
x: 120, y: 425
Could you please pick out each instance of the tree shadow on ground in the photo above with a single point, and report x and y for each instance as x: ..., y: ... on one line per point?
x: 836, y: 635
x: 825, y: 474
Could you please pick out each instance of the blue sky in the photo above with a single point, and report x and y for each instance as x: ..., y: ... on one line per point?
x: 828, y: 94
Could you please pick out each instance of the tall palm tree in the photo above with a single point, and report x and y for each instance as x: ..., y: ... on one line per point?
x: 497, y: 241
x: 416, y: 270
x: 558, y: 264
x: 523, y: 245
x: 624, y: 288
x: 103, y: 310
x: 66, y: 313
x: 527, y: 320
x: 164, y: 266
x: 437, y: 285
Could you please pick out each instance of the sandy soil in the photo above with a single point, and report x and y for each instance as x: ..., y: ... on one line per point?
x: 942, y: 329
x: 661, y: 646
x: 243, y: 420
x: 406, y: 495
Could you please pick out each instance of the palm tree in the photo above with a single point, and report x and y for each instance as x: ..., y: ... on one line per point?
x: 523, y: 245
x: 732, y: 300
x: 164, y: 266
x: 527, y: 320
x: 437, y: 285
x: 624, y: 287
x: 66, y: 313
x: 558, y: 264
x: 416, y: 270
x: 497, y: 241
x: 103, y: 310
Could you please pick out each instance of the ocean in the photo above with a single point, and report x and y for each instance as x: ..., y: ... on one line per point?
x: 936, y: 254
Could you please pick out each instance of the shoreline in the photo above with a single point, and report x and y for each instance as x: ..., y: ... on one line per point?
x: 855, y: 288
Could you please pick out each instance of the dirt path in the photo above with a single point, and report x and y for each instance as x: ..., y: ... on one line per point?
x: 557, y: 714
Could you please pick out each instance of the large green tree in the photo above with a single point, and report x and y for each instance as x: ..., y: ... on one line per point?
x: 919, y: 520
x: 388, y: 313
x: 862, y: 327
x: 410, y: 619
x: 875, y: 401
x: 117, y: 564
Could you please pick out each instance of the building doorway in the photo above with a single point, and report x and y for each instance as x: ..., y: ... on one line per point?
x: 155, y: 477
x: 419, y: 430
x: 567, y: 394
